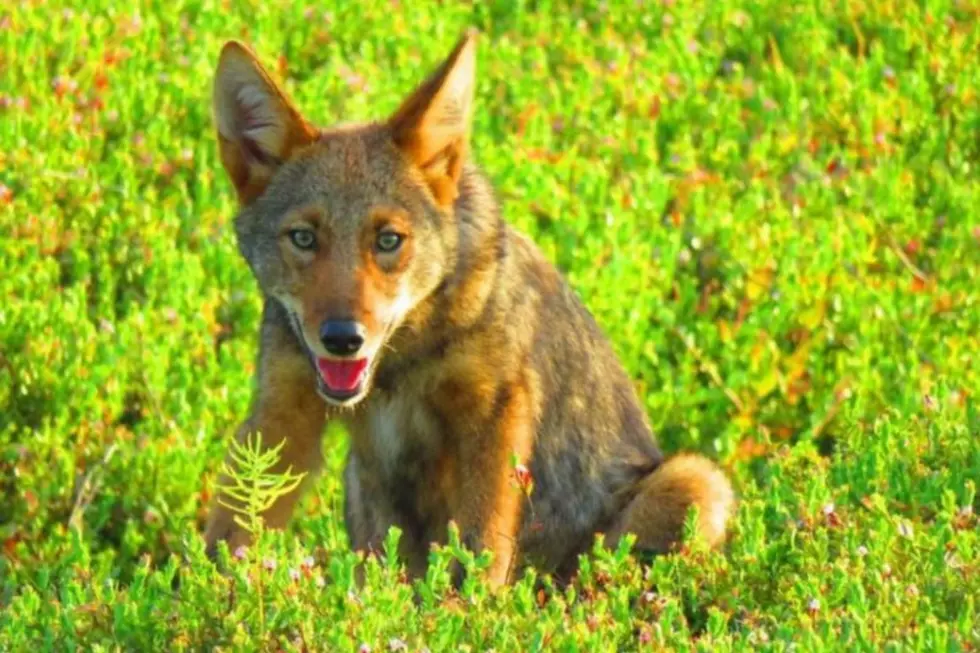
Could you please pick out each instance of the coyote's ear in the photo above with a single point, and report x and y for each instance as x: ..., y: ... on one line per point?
x: 258, y: 127
x: 432, y: 126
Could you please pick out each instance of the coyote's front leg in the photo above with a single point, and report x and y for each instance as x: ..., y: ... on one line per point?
x: 286, y: 408
x: 489, y: 501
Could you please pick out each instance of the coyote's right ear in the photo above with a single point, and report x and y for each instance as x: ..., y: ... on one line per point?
x: 258, y: 127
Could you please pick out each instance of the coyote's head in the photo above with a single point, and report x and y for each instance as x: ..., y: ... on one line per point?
x: 349, y: 228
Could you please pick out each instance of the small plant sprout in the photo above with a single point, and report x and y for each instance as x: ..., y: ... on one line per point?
x: 524, y: 481
x: 255, y: 488
x: 522, y: 475
x: 253, y: 484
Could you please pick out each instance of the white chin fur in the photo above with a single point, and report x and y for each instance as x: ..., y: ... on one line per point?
x: 347, y: 402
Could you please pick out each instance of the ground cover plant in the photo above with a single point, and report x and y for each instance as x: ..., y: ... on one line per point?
x: 771, y: 208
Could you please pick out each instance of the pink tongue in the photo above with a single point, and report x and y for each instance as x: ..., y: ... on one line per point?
x: 342, y: 376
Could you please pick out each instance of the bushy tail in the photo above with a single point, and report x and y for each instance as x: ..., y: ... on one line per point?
x: 657, y: 513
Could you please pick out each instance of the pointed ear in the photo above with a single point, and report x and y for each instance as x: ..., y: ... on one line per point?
x: 258, y: 127
x: 432, y: 126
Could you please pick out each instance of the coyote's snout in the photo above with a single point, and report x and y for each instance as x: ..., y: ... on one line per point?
x: 399, y: 301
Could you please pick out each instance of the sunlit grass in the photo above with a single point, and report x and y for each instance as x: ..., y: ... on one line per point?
x: 771, y: 208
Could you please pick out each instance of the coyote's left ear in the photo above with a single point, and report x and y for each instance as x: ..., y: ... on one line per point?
x: 258, y: 127
x: 432, y: 126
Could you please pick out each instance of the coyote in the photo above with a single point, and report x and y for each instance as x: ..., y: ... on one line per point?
x: 398, y: 301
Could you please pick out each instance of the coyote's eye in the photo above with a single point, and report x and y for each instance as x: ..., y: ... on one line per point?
x: 388, y: 241
x: 302, y: 238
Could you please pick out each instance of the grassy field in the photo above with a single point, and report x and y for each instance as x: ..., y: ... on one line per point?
x: 773, y: 209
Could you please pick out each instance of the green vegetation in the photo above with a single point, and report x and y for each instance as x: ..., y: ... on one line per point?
x: 772, y: 207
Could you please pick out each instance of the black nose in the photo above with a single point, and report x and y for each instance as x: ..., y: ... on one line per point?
x: 342, y: 337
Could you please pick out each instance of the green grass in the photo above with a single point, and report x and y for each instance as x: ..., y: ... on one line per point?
x: 773, y: 209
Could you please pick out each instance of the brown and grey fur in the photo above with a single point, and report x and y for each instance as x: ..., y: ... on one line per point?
x: 483, y: 352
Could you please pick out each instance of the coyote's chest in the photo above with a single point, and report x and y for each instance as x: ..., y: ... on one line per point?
x: 402, y: 433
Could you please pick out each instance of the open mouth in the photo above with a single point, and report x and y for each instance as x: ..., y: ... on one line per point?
x: 338, y: 380
x: 342, y: 379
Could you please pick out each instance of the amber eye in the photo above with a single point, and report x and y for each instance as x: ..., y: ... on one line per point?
x: 303, y: 238
x: 388, y: 241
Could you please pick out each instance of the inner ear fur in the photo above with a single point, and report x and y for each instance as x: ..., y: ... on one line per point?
x: 258, y: 127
